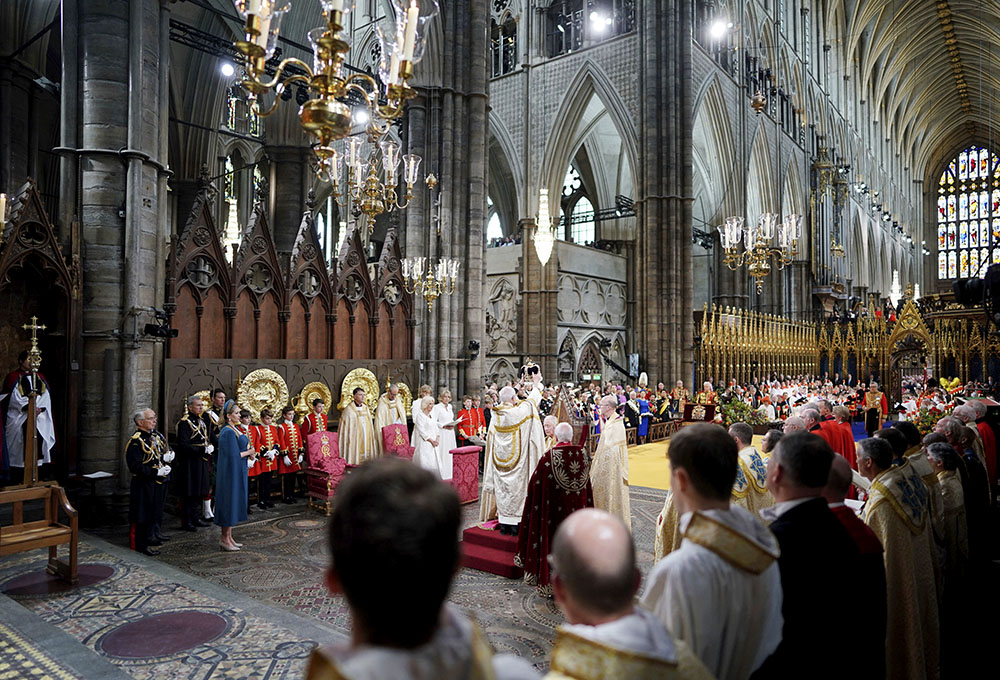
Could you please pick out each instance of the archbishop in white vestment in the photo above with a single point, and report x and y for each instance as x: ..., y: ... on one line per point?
x: 388, y: 411
x: 720, y: 591
x: 514, y: 444
x: 609, y: 468
x: 17, y: 416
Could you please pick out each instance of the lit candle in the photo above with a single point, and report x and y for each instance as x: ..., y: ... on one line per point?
x: 253, y: 6
x: 336, y: 5
x: 410, y: 37
x: 3, y: 210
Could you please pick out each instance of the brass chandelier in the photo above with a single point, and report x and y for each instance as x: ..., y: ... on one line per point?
x: 418, y: 277
x: 759, y: 244
x: 327, y: 114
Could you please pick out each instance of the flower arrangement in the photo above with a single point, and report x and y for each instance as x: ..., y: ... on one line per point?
x: 926, y: 418
x: 738, y: 411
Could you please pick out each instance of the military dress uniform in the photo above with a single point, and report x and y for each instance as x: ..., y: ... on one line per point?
x: 144, y: 457
x: 193, y: 464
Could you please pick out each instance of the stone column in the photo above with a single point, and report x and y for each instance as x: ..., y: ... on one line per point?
x: 119, y: 83
x: 664, y: 323
x: 447, y: 126
x: 290, y: 186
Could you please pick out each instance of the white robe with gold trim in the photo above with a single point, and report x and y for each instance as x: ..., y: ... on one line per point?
x: 356, y: 434
x: 514, y: 444
x: 609, y: 470
x: 387, y: 412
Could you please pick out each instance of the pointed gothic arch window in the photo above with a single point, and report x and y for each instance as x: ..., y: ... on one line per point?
x: 968, y: 214
x: 577, y: 209
x: 231, y: 230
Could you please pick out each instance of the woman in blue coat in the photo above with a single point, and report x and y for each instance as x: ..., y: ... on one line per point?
x: 231, y: 476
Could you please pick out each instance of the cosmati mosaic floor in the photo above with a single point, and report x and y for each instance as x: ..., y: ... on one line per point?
x: 195, y: 612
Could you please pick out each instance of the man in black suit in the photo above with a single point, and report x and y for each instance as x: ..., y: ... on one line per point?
x: 818, y: 565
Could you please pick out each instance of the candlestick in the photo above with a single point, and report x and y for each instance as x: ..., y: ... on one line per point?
x: 409, y: 38
x: 3, y: 209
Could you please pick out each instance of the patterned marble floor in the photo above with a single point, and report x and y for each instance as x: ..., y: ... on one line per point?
x: 256, y: 613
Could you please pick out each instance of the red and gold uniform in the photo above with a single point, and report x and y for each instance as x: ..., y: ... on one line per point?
x: 314, y: 422
x: 251, y: 433
x: 473, y: 422
x: 266, y: 437
x: 706, y: 397
x: 292, y: 445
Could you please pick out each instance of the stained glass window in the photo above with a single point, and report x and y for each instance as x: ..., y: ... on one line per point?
x: 968, y: 219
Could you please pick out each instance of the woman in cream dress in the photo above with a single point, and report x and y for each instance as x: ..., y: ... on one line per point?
x: 427, y: 435
x: 443, y: 413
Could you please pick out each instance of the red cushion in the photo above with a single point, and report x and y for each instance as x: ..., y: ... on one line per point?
x: 466, y: 449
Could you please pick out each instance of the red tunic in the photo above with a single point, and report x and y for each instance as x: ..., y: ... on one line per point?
x: 861, y: 534
x: 559, y: 486
x: 291, y: 445
x: 315, y: 422
x: 851, y: 453
x: 467, y: 427
x: 251, y: 433
x: 267, y: 437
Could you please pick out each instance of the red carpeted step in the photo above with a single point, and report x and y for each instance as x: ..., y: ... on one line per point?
x: 490, y: 551
x: 489, y: 539
x: 490, y: 560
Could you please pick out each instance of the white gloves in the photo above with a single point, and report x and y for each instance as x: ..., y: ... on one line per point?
x: 300, y: 458
x: 169, y: 456
x: 271, y: 455
x: 163, y: 471
x: 287, y: 461
x: 209, y: 449
x: 276, y: 448
x: 250, y: 462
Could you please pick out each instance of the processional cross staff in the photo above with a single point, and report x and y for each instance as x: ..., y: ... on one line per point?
x: 30, y: 447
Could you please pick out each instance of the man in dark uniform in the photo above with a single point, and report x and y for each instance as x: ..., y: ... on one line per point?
x: 144, y: 457
x: 214, y: 422
x: 195, y: 453
x: 156, y: 535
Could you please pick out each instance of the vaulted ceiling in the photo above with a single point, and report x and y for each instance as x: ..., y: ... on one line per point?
x: 930, y: 69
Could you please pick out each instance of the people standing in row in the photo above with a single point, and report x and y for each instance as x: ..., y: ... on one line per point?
x: 293, y: 449
x: 146, y: 456
x: 194, y: 456
x: 231, y: 477
x: 268, y: 444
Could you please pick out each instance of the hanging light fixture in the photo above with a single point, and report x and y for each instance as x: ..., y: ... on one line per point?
x: 544, y: 237
x: 771, y: 237
x: 418, y: 278
x: 327, y: 114
x: 895, y: 292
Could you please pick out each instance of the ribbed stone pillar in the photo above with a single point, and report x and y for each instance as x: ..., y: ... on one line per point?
x: 119, y: 166
x: 664, y: 322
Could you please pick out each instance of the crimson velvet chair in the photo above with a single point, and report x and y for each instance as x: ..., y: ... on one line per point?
x: 325, y: 469
x: 396, y: 441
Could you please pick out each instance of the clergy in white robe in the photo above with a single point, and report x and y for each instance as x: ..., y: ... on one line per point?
x: 514, y: 445
x: 17, y: 416
x: 388, y: 411
x: 444, y: 415
x: 609, y: 468
x: 720, y: 590
x: 428, y: 435
x: 594, y: 581
x: 356, y: 432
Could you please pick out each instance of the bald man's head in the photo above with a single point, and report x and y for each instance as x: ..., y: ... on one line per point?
x: 839, y: 481
x: 594, y: 560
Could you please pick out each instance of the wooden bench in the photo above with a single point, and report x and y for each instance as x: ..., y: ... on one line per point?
x: 21, y: 536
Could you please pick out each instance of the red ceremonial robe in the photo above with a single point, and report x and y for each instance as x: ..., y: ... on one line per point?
x: 851, y: 453
x: 559, y: 486
x: 251, y: 433
x: 989, y: 448
x: 267, y: 437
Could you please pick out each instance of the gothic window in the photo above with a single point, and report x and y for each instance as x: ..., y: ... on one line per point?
x: 327, y: 229
x: 231, y: 232
x: 968, y: 215
x: 582, y: 229
x: 259, y: 184
x: 577, y: 210
x: 241, y: 113
x: 503, y: 46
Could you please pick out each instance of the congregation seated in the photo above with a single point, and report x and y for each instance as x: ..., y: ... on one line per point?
x: 559, y: 486
x: 398, y: 630
x: 594, y: 580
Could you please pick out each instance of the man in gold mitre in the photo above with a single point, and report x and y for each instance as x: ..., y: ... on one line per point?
x: 514, y: 444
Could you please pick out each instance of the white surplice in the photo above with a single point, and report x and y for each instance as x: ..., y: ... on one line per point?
x: 17, y: 415
x: 721, y: 596
x: 459, y: 649
x: 425, y: 428
x: 637, y: 646
x: 515, y: 443
x: 443, y: 414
